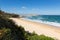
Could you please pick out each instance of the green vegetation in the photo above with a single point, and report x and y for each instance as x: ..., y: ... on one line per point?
x: 10, y: 31
x: 13, y: 33
x: 41, y: 37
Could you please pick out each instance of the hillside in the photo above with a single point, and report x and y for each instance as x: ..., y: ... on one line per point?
x: 10, y: 31
x: 4, y: 14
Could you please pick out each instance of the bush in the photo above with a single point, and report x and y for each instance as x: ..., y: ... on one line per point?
x: 39, y: 37
x: 15, y: 33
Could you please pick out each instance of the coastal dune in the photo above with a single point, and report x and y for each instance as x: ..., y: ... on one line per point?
x: 38, y: 28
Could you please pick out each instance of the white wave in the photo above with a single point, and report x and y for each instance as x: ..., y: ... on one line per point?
x: 45, y: 22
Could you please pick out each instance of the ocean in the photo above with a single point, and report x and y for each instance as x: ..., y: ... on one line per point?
x: 53, y: 20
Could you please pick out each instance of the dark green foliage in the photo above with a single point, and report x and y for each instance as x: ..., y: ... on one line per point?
x: 6, y: 35
x: 15, y: 33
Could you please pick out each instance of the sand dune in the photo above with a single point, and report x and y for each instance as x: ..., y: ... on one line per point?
x: 39, y: 28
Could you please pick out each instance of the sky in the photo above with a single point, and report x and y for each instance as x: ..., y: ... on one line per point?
x: 42, y: 7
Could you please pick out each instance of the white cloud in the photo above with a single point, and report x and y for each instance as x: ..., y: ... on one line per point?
x: 23, y: 7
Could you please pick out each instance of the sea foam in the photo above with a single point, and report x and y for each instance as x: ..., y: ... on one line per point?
x: 44, y: 22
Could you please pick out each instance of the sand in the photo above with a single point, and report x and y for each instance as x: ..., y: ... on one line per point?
x: 38, y: 28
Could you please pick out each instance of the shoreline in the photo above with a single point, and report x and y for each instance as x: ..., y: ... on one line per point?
x: 38, y: 28
x: 55, y: 24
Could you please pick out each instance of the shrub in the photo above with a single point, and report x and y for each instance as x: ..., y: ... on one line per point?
x: 15, y: 33
x: 41, y: 37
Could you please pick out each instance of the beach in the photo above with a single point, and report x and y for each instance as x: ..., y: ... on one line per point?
x: 38, y: 28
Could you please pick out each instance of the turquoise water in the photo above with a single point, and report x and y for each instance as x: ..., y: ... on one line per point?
x: 47, y: 19
x: 51, y: 18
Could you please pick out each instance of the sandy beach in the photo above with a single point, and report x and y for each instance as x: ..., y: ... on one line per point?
x: 38, y: 28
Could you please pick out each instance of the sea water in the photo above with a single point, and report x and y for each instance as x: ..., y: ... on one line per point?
x: 46, y: 19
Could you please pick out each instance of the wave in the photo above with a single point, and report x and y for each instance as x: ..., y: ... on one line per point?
x: 44, y: 22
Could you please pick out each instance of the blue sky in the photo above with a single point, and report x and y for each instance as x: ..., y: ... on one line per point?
x: 43, y: 7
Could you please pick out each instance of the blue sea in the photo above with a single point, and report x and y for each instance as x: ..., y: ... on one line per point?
x: 53, y: 20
